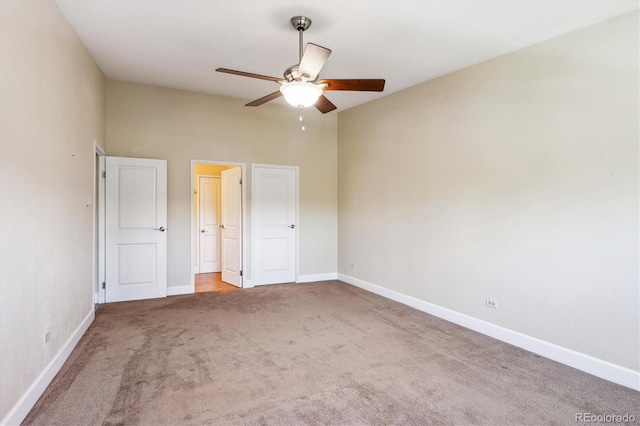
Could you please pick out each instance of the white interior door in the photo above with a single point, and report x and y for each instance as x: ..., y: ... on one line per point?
x: 136, y: 222
x: 274, y: 205
x: 209, y: 221
x: 231, y: 226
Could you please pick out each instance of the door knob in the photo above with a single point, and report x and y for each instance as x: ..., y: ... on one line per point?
x: 161, y: 229
x: 222, y: 226
x: 202, y: 231
x: 292, y: 226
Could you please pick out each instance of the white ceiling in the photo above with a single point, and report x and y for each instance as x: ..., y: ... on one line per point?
x: 179, y: 43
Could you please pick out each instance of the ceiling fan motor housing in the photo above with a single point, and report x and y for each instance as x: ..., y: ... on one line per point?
x: 292, y: 74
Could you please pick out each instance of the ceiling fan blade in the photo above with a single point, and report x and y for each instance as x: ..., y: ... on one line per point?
x: 265, y: 99
x: 358, y: 85
x: 313, y: 59
x: 324, y: 105
x: 248, y: 74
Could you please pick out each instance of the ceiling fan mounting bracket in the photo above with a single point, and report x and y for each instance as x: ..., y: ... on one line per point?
x: 301, y: 23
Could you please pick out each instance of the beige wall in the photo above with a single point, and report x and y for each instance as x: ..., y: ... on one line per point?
x: 515, y: 179
x: 153, y: 122
x: 52, y: 108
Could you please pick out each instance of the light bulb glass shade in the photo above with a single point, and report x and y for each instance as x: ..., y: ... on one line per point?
x: 301, y: 93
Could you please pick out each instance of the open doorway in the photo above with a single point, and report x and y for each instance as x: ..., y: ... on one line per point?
x: 217, y: 204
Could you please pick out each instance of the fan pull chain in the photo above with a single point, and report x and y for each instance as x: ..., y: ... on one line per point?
x: 301, y: 119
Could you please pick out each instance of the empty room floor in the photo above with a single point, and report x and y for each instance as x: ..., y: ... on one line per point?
x: 317, y: 353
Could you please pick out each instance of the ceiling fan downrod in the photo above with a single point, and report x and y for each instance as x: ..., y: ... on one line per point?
x: 301, y: 24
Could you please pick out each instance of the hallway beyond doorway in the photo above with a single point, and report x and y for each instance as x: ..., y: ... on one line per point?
x: 212, y: 282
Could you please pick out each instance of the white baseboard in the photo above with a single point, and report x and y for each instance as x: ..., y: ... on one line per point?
x: 179, y: 289
x: 597, y: 367
x: 317, y: 277
x: 37, y: 388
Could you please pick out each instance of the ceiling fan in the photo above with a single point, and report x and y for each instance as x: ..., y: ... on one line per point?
x: 301, y: 85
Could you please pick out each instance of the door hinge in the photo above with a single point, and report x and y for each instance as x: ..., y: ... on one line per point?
x: 240, y: 273
x: 104, y: 175
x: 104, y: 285
x: 240, y: 181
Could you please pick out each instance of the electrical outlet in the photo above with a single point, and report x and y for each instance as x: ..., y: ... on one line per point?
x: 492, y: 303
x: 47, y: 337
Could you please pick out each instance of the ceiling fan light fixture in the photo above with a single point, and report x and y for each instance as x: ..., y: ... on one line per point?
x: 300, y: 86
x: 301, y: 93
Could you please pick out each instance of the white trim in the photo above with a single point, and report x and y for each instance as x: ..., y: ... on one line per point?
x: 176, y: 290
x: 317, y: 277
x: 297, y: 168
x: 19, y: 411
x: 194, y: 228
x: 247, y: 284
x: 98, y: 222
x: 100, y: 204
x: 99, y: 149
x: 597, y: 367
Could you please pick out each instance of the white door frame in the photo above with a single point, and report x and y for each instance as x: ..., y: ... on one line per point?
x: 194, y: 226
x: 297, y: 228
x: 99, y: 229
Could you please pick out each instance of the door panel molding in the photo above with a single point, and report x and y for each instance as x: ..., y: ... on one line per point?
x: 136, y: 224
x: 209, y: 224
x: 275, y: 247
x: 231, y: 224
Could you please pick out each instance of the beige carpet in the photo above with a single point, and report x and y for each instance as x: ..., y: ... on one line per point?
x: 321, y: 353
